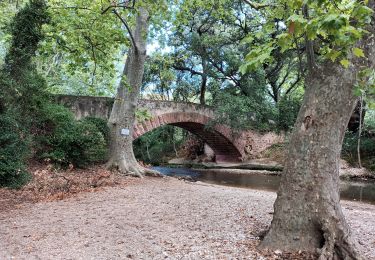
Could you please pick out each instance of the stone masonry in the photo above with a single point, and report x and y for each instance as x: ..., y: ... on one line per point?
x: 228, y: 145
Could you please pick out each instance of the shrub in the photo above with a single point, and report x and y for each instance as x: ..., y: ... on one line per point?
x: 67, y: 141
x: 22, y: 92
x: 101, y: 124
x: 14, y: 150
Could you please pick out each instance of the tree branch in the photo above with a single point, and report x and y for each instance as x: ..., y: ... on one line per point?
x: 93, y: 57
x: 272, y: 95
x: 256, y: 6
x: 73, y: 7
x: 124, y: 5
x: 127, y: 28
x: 294, y: 84
x: 192, y: 71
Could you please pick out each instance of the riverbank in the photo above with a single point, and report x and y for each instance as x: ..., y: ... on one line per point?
x: 265, y: 166
x: 156, y: 218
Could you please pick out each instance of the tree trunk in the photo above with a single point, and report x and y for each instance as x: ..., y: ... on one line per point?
x: 202, y: 96
x: 360, y: 132
x: 122, y: 115
x: 307, y: 211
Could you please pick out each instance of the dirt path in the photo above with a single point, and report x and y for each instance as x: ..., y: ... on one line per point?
x: 154, y: 219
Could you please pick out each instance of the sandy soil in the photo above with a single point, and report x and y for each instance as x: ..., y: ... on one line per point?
x: 155, y: 219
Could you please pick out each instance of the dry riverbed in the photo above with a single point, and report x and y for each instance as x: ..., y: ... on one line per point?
x: 155, y: 218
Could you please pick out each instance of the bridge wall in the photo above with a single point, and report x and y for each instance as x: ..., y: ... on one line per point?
x: 84, y: 106
x: 227, y: 144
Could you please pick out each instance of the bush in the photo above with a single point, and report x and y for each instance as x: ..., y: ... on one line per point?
x: 67, y: 141
x: 101, y: 124
x: 14, y: 150
x: 22, y: 91
x: 52, y: 115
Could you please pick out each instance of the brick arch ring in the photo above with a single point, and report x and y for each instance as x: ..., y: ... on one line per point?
x: 218, y: 138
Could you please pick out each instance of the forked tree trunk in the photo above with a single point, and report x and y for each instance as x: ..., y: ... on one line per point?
x: 307, y: 211
x: 122, y: 115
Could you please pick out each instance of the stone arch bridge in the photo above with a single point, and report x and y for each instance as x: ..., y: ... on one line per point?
x: 228, y: 145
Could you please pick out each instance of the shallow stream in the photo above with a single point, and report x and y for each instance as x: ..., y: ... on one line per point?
x: 363, y: 191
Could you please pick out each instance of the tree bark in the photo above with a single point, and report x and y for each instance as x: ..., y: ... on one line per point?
x: 202, y: 96
x: 360, y: 132
x: 122, y: 115
x: 307, y: 211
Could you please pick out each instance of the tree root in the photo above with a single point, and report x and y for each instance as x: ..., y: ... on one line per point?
x: 338, y: 244
x: 336, y: 240
x: 152, y: 173
x: 131, y: 169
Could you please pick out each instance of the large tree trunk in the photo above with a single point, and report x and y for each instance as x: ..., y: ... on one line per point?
x: 307, y: 212
x: 123, y: 112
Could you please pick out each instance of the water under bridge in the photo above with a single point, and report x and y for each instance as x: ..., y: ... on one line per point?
x: 227, y: 144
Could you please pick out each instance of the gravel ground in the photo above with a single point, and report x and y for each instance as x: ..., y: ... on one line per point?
x: 155, y: 219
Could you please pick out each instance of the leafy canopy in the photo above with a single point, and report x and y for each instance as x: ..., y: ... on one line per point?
x: 334, y: 27
x: 88, y: 40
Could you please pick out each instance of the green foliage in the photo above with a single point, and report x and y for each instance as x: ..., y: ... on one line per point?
x: 101, y: 124
x: 157, y: 146
x: 67, y: 141
x: 54, y: 115
x: 31, y: 96
x: 21, y: 86
x: 83, y: 45
x: 86, y: 45
x: 142, y: 115
x: 243, y: 112
x: 22, y: 92
x: 26, y: 30
x: 367, y: 149
x: 14, y: 150
x: 366, y: 86
x: 54, y: 133
x: 334, y: 26
x: 159, y: 74
x: 370, y: 119
x: 25, y: 89
x: 5, y: 93
x: 288, y: 109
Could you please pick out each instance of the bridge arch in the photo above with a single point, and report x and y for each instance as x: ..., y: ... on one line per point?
x: 218, y: 138
x: 228, y: 145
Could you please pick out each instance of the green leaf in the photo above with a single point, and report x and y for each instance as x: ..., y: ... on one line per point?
x: 357, y: 91
x: 358, y: 52
x: 247, y: 39
x: 345, y: 63
x: 297, y: 18
x: 333, y: 55
x: 284, y: 40
x: 243, y: 69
